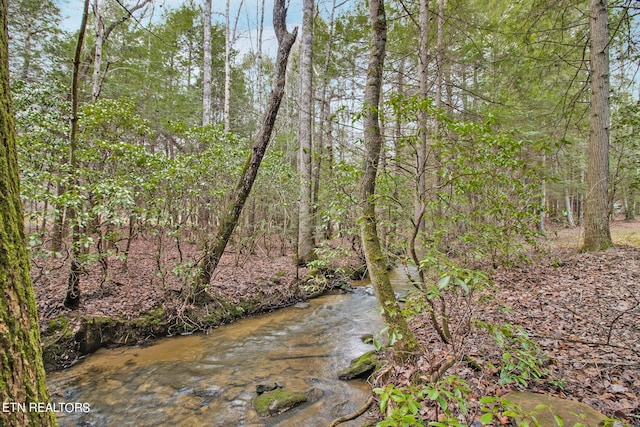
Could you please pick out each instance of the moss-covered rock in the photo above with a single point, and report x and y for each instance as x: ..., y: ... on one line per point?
x: 545, y: 409
x: 277, y: 401
x: 360, y: 367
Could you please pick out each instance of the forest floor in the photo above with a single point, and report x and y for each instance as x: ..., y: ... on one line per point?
x: 582, y: 310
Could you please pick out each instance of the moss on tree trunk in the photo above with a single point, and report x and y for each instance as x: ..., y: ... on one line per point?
x: 405, y: 343
x: 22, y: 376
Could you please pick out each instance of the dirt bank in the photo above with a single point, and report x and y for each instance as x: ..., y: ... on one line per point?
x: 147, y: 300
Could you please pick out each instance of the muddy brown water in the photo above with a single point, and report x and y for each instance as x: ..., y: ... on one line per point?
x: 210, y: 379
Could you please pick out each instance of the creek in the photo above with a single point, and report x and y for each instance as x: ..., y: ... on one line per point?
x: 210, y: 379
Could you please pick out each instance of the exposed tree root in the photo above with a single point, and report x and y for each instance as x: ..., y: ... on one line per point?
x: 353, y: 415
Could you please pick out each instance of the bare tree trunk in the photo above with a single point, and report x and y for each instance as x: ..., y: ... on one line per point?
x: 97, y: 58
x: 324, y: 131
x: 630, y: 205
x: 597, y: 235
x: 24, y: 74
x: 439, y: 60
x: 59, y: 223
x: 543, y: 200
x: 22, y: 375
x: 421, y: 160
x: 230, y: 37
x: 260, y: 74
x: 72, y: 299
x: 206, y: 96
x: 227, y: 69
x: 305, y: 101
x: 568, y: 208
x: 405, y: 344
x: 86, y: 63
x: 213, y: 252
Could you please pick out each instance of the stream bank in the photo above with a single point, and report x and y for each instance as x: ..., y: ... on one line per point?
x: 71, y: 336
x: 213, y: 378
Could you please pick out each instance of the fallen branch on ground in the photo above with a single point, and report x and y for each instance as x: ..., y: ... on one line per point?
x: 353, y: 415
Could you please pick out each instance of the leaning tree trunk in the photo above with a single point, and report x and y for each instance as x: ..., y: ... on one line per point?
x: 22, y: 375
x: 405, y: 343
x: 213, y: 251
x: 597, y: 235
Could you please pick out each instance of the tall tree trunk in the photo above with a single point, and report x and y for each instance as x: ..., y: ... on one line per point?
x: 630, y: 205
x: 325, y: 119
x: 213, y: 252
x: 397, y: 143
x: 230, y: 37
x: 439, y: 60
x: 72, y: 299
x: 597, y: 235
x: 97, y: 59
x: 568, y: 208
x: 405, y: 343
x: 24, y: 74
x: 305, y: 222
x: 206, y: 96
x: 421, y: 160
x: 59, y: 223
x: 22, y: 375
x: 260, y: 73
x: 543, y: 199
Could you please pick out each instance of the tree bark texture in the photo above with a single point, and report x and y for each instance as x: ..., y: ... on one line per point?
x: 206, y: 96
x: 597, y: 235
x: 421, y: 159
x: 22, y: 375
x: 214, y: 251
x: 305, y: 101
x: 405, y: 344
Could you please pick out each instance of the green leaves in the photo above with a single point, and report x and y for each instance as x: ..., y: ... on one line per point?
x: 522, y: 358
x: 404, y: 405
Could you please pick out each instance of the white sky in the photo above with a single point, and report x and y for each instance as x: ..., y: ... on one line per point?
x: 247, y: 22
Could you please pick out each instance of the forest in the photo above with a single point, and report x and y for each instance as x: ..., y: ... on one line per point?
x: 470, y: 166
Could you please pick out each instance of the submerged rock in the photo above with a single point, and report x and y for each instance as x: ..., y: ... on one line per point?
x: 360, y: 367
x: 549, y: 407
x: 208, y: 392
x: 277, y: 401
x: 302, y: 305
x: 263, y: 388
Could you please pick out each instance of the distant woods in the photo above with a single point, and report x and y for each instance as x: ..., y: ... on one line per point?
x: 484, y: 115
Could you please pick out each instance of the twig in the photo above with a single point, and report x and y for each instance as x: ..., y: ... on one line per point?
x: 353, y: 415
x: 599, y: 362
x: 579, y: 341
